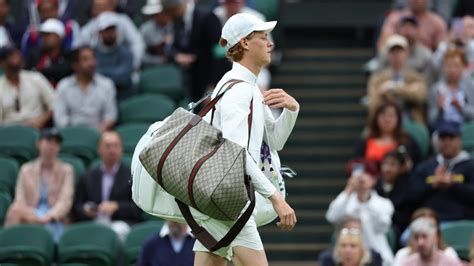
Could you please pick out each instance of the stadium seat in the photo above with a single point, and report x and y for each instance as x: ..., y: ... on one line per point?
x: 419, y: 133
x: 146, y: 108
x: 458, y: 235
x: 80, y: 141
x: 18, y: 142
x: 8, y: 173
x: 76, y: 163
x: 5, y: 201
x: 89, y: 243
x: 131, y: 134
x: 136, y: 238
x: 164, y: 79
x: 269, y: 8
x: 468, y: 137
x: 26, y: 245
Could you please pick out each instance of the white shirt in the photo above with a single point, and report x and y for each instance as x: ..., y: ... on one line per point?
x: 375, y: 216
x: 177, y: 244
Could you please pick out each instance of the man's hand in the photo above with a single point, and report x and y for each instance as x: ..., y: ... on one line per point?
x: 285, y: 212
x: 185, y: 59
x: 455, y: 102
x: 278, y: 98
x: 89, y: 212
x: 108, y: 207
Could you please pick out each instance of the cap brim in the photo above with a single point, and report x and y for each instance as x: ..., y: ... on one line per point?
x: 266, y: 26
x: 151, y: 10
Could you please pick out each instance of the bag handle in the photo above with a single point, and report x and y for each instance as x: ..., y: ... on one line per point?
x: 205, y: 237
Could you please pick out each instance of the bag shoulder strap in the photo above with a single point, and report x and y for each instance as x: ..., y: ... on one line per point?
x: 205, y: 237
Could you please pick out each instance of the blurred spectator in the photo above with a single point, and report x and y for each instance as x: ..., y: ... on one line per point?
x: 196, y: 33
x: 326, y: 257
x: 419, y: 56
x: 385, y: 134
x: 450, y: 100
x: 8, y: 23
x: 393, y: 184
x: 114, y: 60
x: 104, y: 193
x: 127, y: 7
x: 127, y: 32
x: 446, y: 183
x: 463, y: 8
x: 426, y: 252
x: 398, y: 83
x: 157, y: 33
x: 359, y: 199
x: 85, y: 98
x: 429, y: 214
x: 350, y: 249
x: 45, y: 188
x: 50, y: 58
x: 443, y: 7
x: 433, y: 29
x: 44, y: 10
x: 66, y: 10
x: 172, y: 246
x: 27, y: 97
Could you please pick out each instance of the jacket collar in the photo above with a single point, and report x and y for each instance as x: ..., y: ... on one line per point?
x: 461, y: 157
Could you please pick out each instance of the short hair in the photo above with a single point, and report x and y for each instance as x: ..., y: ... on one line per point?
x: 453, y: 53
x: 236, y: 52
x: 76, y: 53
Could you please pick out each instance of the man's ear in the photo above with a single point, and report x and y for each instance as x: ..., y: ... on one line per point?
x: 244, y: 43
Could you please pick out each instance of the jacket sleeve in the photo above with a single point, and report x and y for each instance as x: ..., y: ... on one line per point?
x: 465, y: 192
x: 415, y: 91
x: 60, y: 113
x: 434, y: 111
x: 20, y: 186
x: 337, y: 209
x: 80, y: 198
x: 280, y: 129
x: 379, y: 212
x: 234, y: 109
x: 62, y: 206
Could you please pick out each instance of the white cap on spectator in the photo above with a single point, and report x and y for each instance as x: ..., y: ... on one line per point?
x: 152, y: 7
x: 53, y: 25
x: 423, y: 225
x: 395, y: 41
x: 240, y: 25
x: 106, y: 20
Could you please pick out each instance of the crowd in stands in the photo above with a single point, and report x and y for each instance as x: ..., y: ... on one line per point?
x: 412, y: 171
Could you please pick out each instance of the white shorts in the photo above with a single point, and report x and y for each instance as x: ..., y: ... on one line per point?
x: 248, y: 237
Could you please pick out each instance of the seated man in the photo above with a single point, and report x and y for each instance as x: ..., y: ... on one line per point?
x: 172, y: 246
x: 445, y: 183
x: 104, y: 193
x: 45, y: 188
x: 85, y: 98
x: 26, y: 96
x: 360, y: 200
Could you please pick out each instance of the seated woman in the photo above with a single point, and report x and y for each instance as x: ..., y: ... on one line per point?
x: 385, y: 134
x: 403, y: 253
x: 350, y: 249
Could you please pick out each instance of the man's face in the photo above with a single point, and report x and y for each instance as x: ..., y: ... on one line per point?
x: 48, y: 148
x: 110, y: 148
x: 397, y: 57
x: 390, y: 168
x: 109, y: 36
x: 48, y: 9
x: 424, y: 244
x: 4, y: 9
x: 233, y: 7
x: 86, y: 63
x: 410, y: 32
x: 50, y: 41
x: 418, y: 6
x: 450, y: 146
x: 260, y: 48
x: 14, y: 62
x: 101, y: 6
x: 177, y: 230
x: 176, y: 12
x: 453, y: 68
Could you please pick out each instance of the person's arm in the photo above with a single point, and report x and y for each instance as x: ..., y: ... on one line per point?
x: 110, y: 107
x: 434, y: 110
x: 135, y: 39
x: 61, y: 115
x: 464, y: 192
x: 415, y: 91
x: 441, y: 32
x: 388, y: 29
x: 378, y: 212
x: 338, y: 208
x: 20, y: 186
x: 62, y: 206
x: 47, y: 98
x: 467, y: 84
x: 80, y: 198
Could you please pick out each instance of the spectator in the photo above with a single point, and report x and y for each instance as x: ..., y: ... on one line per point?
x: 398, y: 83
x: 44, y: 10
x: 427, y: 213
x: 127, y: 7
x: 446, y: 183
x: 442, y: 7
x: 385, y: 134
x: 104, y: 193
x: 359, y: 199
x: 196, y: 33
x: 45, y: 188
x: 85, y: 98
x: 26, y: 97
x: 66, y: 10
x: 157, y: 33
x: 426, y: 252
x: 450, y: 100
x: 351, y: 223
x: 127, y: 32
x: 8, y: 23
x: 114, y: 60
x: 350, y: 250
x: 172, y: 246
x: 433, y: 29
x: 50, y: 58
x: 393, y: 185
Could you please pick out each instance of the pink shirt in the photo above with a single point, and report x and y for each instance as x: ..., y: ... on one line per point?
x: 432, y: 27
x: 439, y: 259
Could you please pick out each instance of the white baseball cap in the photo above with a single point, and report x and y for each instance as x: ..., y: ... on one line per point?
x: 152, y: 7
x: 106, y: 20
x: 53, y: 25
x: 395, y: 41
x: 240, y: 25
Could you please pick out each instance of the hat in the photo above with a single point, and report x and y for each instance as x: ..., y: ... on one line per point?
x: 106, y: 20
x: 395, y: 41
x: 423, y: 225
x: 53, y: 25
x: 409, y: 19
x: 240, y: 25
x: 152, y: 7
x: 449, y: 128
x: 51, y: 133
x: 172, y: 3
